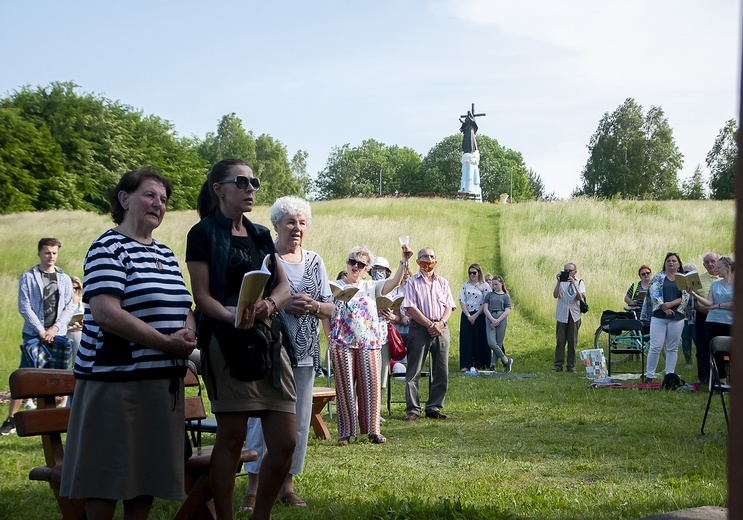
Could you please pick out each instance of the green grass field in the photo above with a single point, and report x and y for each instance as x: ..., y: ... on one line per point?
x: 540, y: 447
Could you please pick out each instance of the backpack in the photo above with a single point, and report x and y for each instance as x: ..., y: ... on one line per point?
x: 672, y: 382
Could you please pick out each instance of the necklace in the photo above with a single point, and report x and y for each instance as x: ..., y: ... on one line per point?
x: 158, y: 263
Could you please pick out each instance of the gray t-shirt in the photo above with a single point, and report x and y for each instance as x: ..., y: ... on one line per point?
x: 497, y: 303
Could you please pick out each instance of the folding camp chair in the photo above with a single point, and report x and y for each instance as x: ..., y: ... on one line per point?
x: 718, y: 345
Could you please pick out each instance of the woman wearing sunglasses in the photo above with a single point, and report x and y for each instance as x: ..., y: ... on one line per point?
x: 473, y: 342
x: 220, y: 249
x: 637, y: 291
x: 355, y: 348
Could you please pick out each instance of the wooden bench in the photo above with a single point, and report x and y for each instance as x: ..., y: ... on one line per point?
x: 321, y: 396
x: 50, y: 422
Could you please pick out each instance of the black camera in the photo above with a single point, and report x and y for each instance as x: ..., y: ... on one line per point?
x: 564, y: 276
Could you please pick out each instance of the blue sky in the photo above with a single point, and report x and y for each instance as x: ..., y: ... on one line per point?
x: 323, y: 73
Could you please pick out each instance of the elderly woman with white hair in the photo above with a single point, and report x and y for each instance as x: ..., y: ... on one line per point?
x: 311, y: 301
x: 355, y: 348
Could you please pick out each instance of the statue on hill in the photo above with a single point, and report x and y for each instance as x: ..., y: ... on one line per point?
x: 470, y: 183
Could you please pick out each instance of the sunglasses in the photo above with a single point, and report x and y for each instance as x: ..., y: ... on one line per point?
x: 473, y: 272
x: 646, y: 273
x: 242, y: 182
x: 352, y: 263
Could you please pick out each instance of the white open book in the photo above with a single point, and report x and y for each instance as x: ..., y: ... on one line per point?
x: 251, y: 288
x: 341, y: 291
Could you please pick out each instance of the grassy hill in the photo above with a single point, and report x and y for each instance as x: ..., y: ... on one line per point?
x: 542, y: 447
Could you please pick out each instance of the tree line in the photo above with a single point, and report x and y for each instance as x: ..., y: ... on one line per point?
x: 61, y: 148
x: 633, y: 154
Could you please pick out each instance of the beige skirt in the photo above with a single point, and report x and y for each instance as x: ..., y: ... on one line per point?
x: 228, y: 394
x: 125, y: 440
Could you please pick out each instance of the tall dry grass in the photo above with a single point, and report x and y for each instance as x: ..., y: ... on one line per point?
x: 528, y: 243
x: 608, y: 240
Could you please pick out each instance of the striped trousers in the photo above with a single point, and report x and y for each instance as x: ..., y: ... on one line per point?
x: 357, y: 390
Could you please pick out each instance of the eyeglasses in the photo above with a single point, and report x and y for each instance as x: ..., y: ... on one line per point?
x: 646, y: 273
x: 242, y: 182
x: 671, y: 254
x: 356, y: 263
x: 473, y: 273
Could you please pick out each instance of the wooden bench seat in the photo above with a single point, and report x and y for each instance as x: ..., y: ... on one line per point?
x: 321, y: 396
x: 50, y: 422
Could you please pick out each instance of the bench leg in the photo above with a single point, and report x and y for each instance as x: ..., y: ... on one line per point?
x: 198, y: 503
x: 318, y: 425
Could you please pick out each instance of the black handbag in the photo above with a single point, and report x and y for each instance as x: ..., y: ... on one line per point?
x: 583, y: 306
x: 246, y: 351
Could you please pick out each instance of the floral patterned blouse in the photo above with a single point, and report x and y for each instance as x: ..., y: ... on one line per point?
x: 354, y: 324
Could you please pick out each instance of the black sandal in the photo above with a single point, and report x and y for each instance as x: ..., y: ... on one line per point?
x: 343, y: 441
x: 377, y: 439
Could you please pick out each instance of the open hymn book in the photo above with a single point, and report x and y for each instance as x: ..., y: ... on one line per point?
x: 341, y: 291
x: 688, y: 281
x: 251, y: 288
x: 385, y: 302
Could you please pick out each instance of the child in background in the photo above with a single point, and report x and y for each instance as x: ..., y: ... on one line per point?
x: 497, y: 307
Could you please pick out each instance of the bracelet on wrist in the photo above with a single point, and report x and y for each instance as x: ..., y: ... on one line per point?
x: 317, y: 311
x: 275, y: 311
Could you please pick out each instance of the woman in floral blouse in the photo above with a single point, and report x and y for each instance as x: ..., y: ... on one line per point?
x: 355, y: 348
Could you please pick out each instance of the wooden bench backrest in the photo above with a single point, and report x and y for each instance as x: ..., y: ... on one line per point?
x: 47, y: 420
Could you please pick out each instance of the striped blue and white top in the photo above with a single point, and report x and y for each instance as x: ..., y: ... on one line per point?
x: 148, y: 281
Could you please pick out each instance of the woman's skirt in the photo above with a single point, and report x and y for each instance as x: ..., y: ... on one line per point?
x: 228, y: 394
x: 473, y: 343
x: 125, y: 440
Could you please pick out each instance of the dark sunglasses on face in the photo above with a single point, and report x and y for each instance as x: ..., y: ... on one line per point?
x: 473, y: 272
x: 646, y: 273
x: 352, y: 263
x: 242, y: 182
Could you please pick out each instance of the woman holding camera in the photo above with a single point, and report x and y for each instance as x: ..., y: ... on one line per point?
x: 568, y: 292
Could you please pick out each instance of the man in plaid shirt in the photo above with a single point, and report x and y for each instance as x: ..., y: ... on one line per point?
x: 45, y: 302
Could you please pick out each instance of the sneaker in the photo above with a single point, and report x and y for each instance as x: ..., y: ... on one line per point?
x: 644, y: 379
x: 29, y: 404
x: 508, y: 366
x: 8, y: 426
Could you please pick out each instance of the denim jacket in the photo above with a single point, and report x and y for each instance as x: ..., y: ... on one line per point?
x: 656, y: 296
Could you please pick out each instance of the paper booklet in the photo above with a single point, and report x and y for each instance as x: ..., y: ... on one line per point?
x: 688, y: 281
x: 76, y: 319
x: 251, y: 288
x: 342, y: 291
x: 385, y: 302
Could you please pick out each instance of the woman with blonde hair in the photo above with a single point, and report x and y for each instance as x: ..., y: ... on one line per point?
x: 719, y: 301
x: 355, y: 348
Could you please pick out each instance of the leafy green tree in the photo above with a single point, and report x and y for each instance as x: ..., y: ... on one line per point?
x: 31, y: 173
x: 298, y: 167
x: 721, y: 161
x: 273, y: 168
x: 230, y: 140
x: 360, y: 171
x: 632, y: 155
x: 693, y: 187
x: 537, y: 186
x: 101, y: 139
x: 441, y: 170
